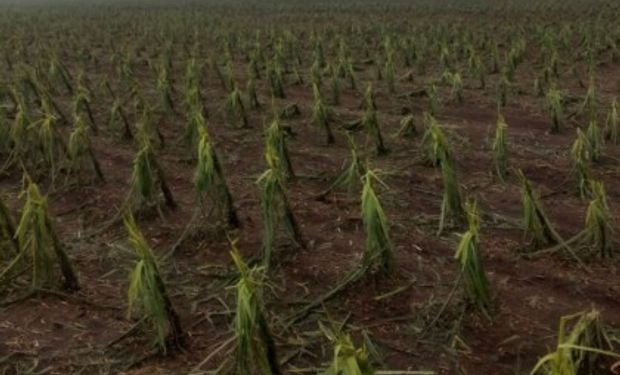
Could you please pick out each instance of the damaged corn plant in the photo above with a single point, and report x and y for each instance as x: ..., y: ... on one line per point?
x: 209, y: 180
x: 500, y: 148
x: 537, y: 227
x: 255, y: 352
x: 148, y: 178
x: 321, y: 115
x: 276, y: 146
x: 378, y: 251
x: 81, y: 154
x: 599, y: 223
x: 351, y: 176
x: 582, y: 341
x: 40, y: 248
x: 147, y: 295
x: 469, y: 258
x: 9, y: 245
x: 581, y: 154
x: 275, y: 208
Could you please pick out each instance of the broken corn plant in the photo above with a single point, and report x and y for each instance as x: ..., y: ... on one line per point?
x: 435, y: 141
x: 209, y: 180
x: 369, y: 99
x: 590, y: 105
x: 390, y: 73
x: 235, y: 109
x: 407, y: 127
x: 22, y: 137
x: 9, y: 245
x: 535, y: 222
x: 275, y: 209
x: 165, y: 88
x: 51, y: 144
x: 371, y: 124
x: 469, y: 258
x: 582, y: 341
x: 553, y: 105
x: 613, y: 123
x: 255, y: 350
x: 582, y: 160
x: 595, y: 140
x: 39, y: 245
x: 456, y: 85
x: 321, y: 115
x: 147, y: 294
x: 252, y: 94
x: 434, y: 100
x: 378, y: 251
x: 191, y: 133
x: 147, y: 174
x: 351, y: 177
x: 452, y: 202
x: 82, y: 104
x: 500, y: 148
x: 599, y: 222
x: 194, y: 100
x: 349, y: 360
x: 147, y: 127
x: 274, y: 77
x: 276, y: 146
x: 334, y: 85
x: 81, y: 151
x: 117, y: 113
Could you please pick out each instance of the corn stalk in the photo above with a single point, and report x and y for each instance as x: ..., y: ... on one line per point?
x: 469, y: 259
x: 39, y: 246
x: 255, y: 350
x: 599, y: 222
x: 209, y: 180
x: 378, y: 250
x: 578, y: 347
x: 147, y: 294
x: 500, y: 148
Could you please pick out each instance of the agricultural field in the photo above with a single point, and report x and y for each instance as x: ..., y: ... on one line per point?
x: 292, y: 187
